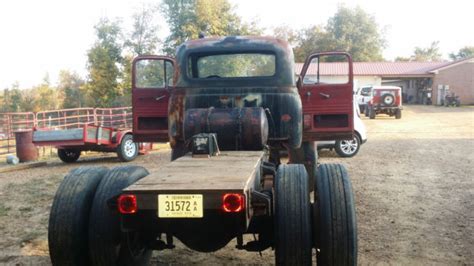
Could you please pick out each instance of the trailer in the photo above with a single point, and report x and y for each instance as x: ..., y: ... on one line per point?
x: 230, y: 108
x: 72, y: 131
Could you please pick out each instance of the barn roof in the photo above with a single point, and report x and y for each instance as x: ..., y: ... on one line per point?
x: 378, y: 68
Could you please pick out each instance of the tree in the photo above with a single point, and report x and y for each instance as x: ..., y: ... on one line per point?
x: 104, y: 59
x: 187, y: 18
x: 125, y: 98
x: 179, y: 15
x: 14, y: 99
x: 402, y: 59
x: 350, y: 30
x: 310, y: 40
x: 144, y: 38
x: 217, y: 18
x: 465, y: 52
x: 356, y: 32
x: 44, y: 97
x: 286, y: 33
x: 3, y: 100
x: 430, y: 53
x: 29, y: 101
x: 69, y: 86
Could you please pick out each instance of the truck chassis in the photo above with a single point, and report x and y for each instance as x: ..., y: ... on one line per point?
x: 238, y: 94
x: 125, y: 212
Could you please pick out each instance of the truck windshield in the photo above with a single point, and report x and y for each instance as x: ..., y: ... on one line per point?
x: 239, y: 65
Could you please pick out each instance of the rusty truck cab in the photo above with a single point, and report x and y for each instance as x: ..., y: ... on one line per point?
x: 233, y: 77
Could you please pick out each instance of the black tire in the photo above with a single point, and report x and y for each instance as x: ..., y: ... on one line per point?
x: 307, y: 154
x: 348, y: 148
x: 388, y: 99
x: 371, y: 113
x: 398, y: 114
x: 69, y: 216
x: 179, y: 150
x: 366, y: 112
x: 69, y: 155
x: 107, y: 244
x: 334, y: 218
x: 292, y: 216
x: 127, y: 150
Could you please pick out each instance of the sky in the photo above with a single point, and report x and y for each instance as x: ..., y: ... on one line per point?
x: 43, y: 37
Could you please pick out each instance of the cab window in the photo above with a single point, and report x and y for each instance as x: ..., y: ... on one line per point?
x: 238, y: 65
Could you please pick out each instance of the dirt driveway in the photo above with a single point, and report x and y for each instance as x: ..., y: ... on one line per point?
x: 413, y: 179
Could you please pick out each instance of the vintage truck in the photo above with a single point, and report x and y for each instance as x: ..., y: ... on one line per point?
x: 229, y: 107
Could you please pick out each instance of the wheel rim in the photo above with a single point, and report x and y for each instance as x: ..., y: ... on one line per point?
x: 388, y: 100
x: 349, y: 146
x: 70, y: 154
x: 129, y: 148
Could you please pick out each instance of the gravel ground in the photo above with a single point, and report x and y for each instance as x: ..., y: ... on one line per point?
x: 413, y: 182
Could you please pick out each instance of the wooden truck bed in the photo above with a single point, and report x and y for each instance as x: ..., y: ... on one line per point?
x: 230, y: 171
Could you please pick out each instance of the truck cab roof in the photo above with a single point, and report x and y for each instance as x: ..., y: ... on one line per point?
x: 189, y: 54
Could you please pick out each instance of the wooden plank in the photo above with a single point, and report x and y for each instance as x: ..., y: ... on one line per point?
x: 22, y: 166
x: 58, y: 135
x: 231, y: 170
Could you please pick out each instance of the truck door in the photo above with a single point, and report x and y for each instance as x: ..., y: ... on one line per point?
x: 152, y: 77
x: 326, y: 90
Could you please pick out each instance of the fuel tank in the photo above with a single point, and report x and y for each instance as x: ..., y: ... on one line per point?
x: 236, y: 128
x: 281, y: 107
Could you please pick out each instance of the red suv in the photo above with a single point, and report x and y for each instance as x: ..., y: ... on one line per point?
x: 385, y: 100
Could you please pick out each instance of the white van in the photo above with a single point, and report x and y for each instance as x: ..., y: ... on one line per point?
x: 348, y: 148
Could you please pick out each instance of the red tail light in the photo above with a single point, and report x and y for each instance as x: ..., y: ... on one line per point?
x: 127, y: 204
x: 233, y: 202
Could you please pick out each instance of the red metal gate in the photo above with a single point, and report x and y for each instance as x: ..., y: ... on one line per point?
x: 11, y: 122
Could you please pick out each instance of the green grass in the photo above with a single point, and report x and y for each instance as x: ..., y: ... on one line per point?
x: 4, y: 210
x: 25, y: 209
x: 28, y: 236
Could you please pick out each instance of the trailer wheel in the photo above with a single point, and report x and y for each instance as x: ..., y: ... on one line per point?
x: 127, y: 150
x: 107, y: 244
x: 69, y: 216
x: 292, y: 216
x: 398, y: 114
x: 334, y: 218
x: 69, y: 155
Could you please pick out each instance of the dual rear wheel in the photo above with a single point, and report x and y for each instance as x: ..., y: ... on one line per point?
x: 83, y: 230
x: 328, y: 224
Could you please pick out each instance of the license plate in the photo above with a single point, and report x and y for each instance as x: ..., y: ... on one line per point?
x: 180, y: 206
